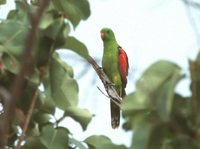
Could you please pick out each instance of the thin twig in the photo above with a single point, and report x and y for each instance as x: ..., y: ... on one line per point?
x: 27, y: 120
x: 110, y: 89
x: 109, y: 97
x: 102, y: 92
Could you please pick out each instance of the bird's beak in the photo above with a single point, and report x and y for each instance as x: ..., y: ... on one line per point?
x: 102, y: 35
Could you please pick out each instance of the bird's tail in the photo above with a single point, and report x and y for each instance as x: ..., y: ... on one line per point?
x: 115, y: 115
x: 123, y: 92
x: 115, y: 111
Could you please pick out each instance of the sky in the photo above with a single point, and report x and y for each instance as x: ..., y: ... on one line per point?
x: 148, y: 31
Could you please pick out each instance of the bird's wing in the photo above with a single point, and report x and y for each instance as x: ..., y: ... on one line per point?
x: 123, y: 65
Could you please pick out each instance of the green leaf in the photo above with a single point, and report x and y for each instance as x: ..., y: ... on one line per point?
x: 142, y: 136
x: 47, y: 20
x: 41, y: 117
x: 33, y: 142
x: 12, y: 37
x: 75, y: 45
x: 111, y: 146
x: 155, y: 90
x: 21, y: 13
x: 45, y: 101
x: 54, y: 29
x: 73, y: 10
x: 2, y: 2
x: 77, y: 144
x: 164, y: 107
x: 83, y: 116
x: 96, y: 141
x: 53, y: 138
x: 135, y: 102
x: 64, y: 89
x: 10, y: 63
x: 154, y: 77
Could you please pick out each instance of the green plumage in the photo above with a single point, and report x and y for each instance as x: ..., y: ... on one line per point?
x: 111, y: 68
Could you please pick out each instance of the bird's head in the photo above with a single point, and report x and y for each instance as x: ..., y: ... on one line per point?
x: 107, y: 34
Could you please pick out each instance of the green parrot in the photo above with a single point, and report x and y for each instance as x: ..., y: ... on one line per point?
x: 115, y: 65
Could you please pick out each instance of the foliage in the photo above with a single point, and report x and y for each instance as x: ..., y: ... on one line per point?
x: 159, y: 117
x: 60, y: 88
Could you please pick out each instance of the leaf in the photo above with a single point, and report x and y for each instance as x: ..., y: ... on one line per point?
x: 73, y: 10
x: 10, y: 63
x: 12, y: 37
x: 83, y: 116
x: 164, y: 107
x: 2, y: 2
x: 96, y: 141
x: 111, y: 146
x: 153, y: 78
x: 47, y: 20
x: 75, y: 45
x: 33, y: 142
x: 54, y: 29
x: 134, y: 102
x: 53, y: 138
x: 155, y: 90
x: 64, y: 89
x: 20, y: 13
x: 41, y: 117
x: 142, y: 135
x: 46, y: 103
x: 77, y: 144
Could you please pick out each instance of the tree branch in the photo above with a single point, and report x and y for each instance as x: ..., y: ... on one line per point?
x: 110, y: 89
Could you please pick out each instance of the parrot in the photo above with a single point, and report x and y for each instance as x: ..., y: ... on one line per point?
x: 115, y: 65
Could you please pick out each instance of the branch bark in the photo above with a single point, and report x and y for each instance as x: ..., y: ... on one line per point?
x: 108, y: 85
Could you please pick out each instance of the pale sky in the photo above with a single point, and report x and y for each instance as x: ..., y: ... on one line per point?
x: 148, y: 31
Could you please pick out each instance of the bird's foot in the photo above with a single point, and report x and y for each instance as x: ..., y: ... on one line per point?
x: 100, y: 68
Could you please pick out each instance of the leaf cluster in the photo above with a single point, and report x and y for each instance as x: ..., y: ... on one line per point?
x: 51, y: 79
x: 160, y: 117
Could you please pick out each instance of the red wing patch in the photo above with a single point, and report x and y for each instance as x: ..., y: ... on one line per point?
x: 123, y: 66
